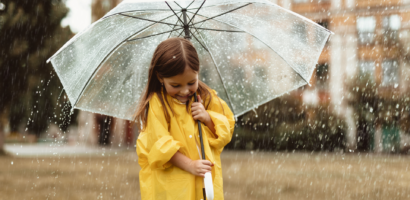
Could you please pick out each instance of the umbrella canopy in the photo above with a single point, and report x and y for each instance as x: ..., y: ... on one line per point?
x: 250, y: 52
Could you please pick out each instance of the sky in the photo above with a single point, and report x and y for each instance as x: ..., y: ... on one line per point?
x: 79, y: 16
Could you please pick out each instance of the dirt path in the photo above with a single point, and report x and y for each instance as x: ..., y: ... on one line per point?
x: 258, y: 175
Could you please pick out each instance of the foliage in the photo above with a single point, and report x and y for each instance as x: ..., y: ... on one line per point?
x: 287, y: 124
x: 30, y: 33
x: 384, y: 105
x: 376, y: 105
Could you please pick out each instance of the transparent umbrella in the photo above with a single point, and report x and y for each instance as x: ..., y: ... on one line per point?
x: 250, y: 51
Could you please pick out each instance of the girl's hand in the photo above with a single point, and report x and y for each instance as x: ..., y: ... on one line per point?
x: 199, y: 112
x: 200, y: 167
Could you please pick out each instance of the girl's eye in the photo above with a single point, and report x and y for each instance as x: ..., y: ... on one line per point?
x: 175, y: 86
x: 191, y: 83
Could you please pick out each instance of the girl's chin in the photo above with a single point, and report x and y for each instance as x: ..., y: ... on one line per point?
x: 182, y: 100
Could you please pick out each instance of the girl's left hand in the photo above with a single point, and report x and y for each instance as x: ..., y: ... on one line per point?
x: 199, y: 112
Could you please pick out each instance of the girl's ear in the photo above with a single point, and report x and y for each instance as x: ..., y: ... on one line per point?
x: 161, y: 80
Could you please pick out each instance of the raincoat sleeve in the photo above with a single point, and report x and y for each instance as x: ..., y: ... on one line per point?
x: 224, y: 122
x: 155, y: 145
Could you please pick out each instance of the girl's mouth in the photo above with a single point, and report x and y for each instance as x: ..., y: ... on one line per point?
x: 184, y: 97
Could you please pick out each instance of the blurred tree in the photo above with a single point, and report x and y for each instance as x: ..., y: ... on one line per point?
x: 284, y: 124
x: 30, y: 32
x: 377, y: 106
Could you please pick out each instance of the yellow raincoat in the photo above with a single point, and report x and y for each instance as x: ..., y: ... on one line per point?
x: 162, y: 138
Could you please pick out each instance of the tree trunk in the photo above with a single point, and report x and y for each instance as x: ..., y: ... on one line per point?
x: 3, y: 123
x: 2, y: 136
x: 2, y: 152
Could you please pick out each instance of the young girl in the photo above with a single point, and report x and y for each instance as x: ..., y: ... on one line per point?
x: 168, y: 146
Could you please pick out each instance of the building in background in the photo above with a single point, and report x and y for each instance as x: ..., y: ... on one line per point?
x: 371, y: 45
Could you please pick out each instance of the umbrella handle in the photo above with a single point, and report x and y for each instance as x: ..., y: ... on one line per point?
x: 209, y: 186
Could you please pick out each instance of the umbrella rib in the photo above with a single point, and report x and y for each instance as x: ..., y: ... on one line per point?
x: 219, y: 73
x: 178, y: 4
x: 181, y: 33
x: 147, y: 19
x: 199, y: 41
x: 154, y: 35
x: 210, y: 29
x: 174, y: 13
x: 174, y: 26
x: 189, y: 5
x: 196, y: 13
x: 195, y: 36
x: 208, y: 18
x: 260, y: 41
x: 88, y: 81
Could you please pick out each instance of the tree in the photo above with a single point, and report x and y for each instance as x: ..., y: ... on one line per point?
x: 30, y: 32
x: 377, y: 106
x: 285, y: 123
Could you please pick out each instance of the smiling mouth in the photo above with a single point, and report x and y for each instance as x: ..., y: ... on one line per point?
x: 185, y: 97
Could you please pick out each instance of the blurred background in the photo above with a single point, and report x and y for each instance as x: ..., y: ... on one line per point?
x: 358, y: 101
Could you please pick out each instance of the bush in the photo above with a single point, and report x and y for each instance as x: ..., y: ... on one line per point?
x: 284, y: 124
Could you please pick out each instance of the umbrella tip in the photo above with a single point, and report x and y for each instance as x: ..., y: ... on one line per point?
x: 48, y: 61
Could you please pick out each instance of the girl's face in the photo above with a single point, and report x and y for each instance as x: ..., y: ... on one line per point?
x: 182, y: 86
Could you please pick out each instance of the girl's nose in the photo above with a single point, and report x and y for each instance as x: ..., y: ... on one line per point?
x: 185, y: 91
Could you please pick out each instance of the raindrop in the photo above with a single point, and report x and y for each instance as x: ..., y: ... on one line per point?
x: 11, y: 162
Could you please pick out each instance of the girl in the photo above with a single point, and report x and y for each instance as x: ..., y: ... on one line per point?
x: 168, y: 146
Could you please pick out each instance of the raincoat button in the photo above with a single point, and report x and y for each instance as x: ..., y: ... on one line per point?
x: 190, y: 136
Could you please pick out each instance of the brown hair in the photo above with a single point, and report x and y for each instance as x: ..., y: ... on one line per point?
x: 170, y: 59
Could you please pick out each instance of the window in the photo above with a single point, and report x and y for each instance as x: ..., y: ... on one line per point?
x: 390, y: 73
x: 322, y: 75
x: 366, y: 69
x: 366, y: 27
x: 391, y: 27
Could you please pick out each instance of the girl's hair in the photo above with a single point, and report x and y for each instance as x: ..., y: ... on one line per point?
x: 170, y: 59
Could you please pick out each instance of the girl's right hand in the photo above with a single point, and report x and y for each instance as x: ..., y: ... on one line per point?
x: 200, y: 167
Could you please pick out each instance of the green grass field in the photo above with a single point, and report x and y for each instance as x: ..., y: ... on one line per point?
x: 247, y: 175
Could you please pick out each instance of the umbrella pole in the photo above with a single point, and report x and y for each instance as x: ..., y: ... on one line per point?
x: 187, y: 36
x: 202, y: 142
x: 186, y: 26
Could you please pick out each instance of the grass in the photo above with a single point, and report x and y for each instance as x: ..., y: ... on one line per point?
x: 256, y: 175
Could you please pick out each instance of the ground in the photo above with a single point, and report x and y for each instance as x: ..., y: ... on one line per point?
x: 247, y: 175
